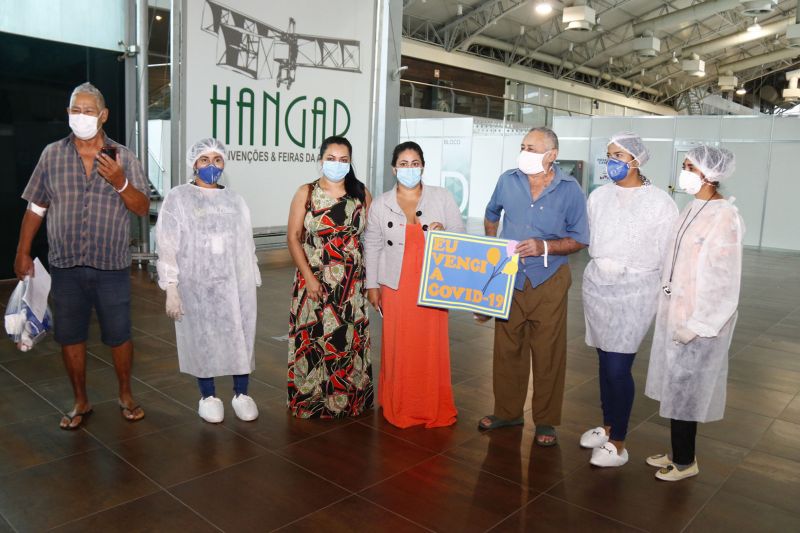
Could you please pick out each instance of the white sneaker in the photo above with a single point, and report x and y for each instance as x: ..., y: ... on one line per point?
x: 211, y: 409
x: 659, y: 460
x: 671, y: 472
x: 594, y: 438
x: 244, y: 407
x: 606, y: 455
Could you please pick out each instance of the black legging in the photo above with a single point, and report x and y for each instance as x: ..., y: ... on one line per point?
x: 683, y: 435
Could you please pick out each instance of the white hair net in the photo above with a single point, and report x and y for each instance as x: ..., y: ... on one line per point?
x: 204, y: 146
x: 716, y: 164
x: 633, y: 144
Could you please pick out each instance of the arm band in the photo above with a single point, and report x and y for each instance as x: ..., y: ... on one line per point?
x: 37, y: 209
x: 123, y: 187
x: 545, y: 252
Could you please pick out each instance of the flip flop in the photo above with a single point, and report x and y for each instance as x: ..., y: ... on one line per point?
x: 84, y: 415
x: 497, y: 423
x: 131, y: 410
x: 545, y: 431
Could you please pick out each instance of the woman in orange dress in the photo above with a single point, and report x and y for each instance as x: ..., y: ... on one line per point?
x: 414, y: 385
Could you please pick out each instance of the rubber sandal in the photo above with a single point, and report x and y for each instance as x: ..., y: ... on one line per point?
x: 84, y: 415
x: 497, y: 423
x: 131, y: 410
x: 545, y: 431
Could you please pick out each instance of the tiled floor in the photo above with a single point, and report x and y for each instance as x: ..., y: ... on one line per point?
x: 172, y: 472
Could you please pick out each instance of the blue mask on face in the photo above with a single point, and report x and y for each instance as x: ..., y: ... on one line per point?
x: 209, y: 174
x: 616, y: 169
x: 335, y: 170
x: 409, y: 177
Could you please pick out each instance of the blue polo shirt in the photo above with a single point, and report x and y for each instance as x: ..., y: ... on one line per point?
x: 559, y: 212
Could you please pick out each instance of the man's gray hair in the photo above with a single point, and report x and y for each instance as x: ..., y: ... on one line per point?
x: 88, y: 88
x: 550, y: 135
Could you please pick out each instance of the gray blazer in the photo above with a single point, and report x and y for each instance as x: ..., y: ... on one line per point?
x: 386, y: 231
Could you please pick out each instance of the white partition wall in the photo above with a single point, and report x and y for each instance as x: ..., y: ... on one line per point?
x: 766, y: 183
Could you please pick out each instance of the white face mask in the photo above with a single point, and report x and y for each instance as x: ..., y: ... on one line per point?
x: 83, y: 126
x: 530, y: 162
x: 690, y: 182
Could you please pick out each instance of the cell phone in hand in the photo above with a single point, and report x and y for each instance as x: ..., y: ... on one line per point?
x: 110, y: 151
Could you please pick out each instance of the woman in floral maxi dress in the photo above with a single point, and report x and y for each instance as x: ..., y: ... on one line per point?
x: 330, y: 371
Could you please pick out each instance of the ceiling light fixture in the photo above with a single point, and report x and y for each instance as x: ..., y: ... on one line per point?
x: 543, y: 8
x: 159, y: 17
x: 755, y: 26
x: 741, y: 91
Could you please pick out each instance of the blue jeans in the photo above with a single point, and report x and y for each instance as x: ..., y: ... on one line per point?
x: 616, y: 391
x: 207, y: 388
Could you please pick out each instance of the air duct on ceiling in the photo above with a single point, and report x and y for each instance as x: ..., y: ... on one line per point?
x: 694, y: 66
x: 753, y: 8
x: 728, y: 82
x: 579, y: 18
x: 793, y: 31
x: 750, y: 62
x: 647, y: 46
x: 792, y: 93
x: 685, y: 16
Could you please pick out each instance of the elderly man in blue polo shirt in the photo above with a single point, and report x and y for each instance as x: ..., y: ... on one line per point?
x: 86, y: 197
x: 545, y: 210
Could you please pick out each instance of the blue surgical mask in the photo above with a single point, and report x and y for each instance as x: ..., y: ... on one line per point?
x: 409, y: 177
x: 335, y: 171
x: 209, y: 174
x: 617, y: 170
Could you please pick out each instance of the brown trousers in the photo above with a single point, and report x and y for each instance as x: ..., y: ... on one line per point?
x: 536, y: 330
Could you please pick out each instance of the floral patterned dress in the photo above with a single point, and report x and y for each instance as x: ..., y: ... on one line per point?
x: 330, y: 371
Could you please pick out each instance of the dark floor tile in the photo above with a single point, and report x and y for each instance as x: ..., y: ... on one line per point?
x: 549, y: 514
x: 108, y: 425
x: 158, y: 373
x: 184, y: 452
x: 731, y: 512
x: 355, y: 456
x: 39, y: 440
x: 101, y: 386
x: 589, y: 394
x: 792, y: 411
x: 144, y: 349
x: 475, y: 395
x: 10, y: 352
x: 7, y: 380
x: 756, y: 398
x: 44, y: 367
x: 160, y: 325
x: 512, y: 454
x: 259, y: 495
x: 5, y: 527
x: 434, y: 439
x: 19, y: 403
x: 767, y: 479
x: 445, y: 495
x: 54, y: 493
x: 271, y: 363
x: 769, y: 377
x: 353, y: 514
x: 156, y: 512
x: 782, y: 439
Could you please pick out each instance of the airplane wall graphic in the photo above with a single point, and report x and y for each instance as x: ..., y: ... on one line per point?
x: 261, y: 51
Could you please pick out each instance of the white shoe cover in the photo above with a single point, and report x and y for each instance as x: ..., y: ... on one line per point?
x: 244, y: 407
x: 594, y: 438
x: 607, y: 455
x: 211, y: 409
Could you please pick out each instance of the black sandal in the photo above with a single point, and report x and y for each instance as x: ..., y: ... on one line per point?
x: 70, y: 417
x: 131, y: 410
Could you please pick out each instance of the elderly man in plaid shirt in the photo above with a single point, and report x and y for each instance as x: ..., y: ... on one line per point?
x: 87, y: 196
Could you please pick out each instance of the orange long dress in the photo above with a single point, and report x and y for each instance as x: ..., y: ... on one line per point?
x: 414, y: 385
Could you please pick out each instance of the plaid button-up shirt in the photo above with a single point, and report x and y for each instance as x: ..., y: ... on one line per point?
x: 87, y: 221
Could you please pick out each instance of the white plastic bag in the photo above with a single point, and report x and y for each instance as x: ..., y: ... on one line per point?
x: 22, y: 325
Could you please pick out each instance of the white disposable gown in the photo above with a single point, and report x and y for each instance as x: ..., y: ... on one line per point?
x: 690, y: 379
x: 205, y: 246
x: 630, y: 229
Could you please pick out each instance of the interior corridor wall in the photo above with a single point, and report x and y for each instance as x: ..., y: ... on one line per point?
x: 767, y: 150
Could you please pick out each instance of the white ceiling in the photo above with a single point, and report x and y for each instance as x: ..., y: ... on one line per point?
x: 424, y: 20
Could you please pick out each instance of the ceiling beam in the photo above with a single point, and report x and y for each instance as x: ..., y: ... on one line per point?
x: 459, y: 31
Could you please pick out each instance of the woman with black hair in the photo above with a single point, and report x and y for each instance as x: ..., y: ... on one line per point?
x: 330, y: 371
x: 414, y: 386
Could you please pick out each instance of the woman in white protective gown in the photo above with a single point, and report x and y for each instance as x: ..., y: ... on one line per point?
x: 629, y: 222
x: 688, y: 369
x: 208, y: 268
